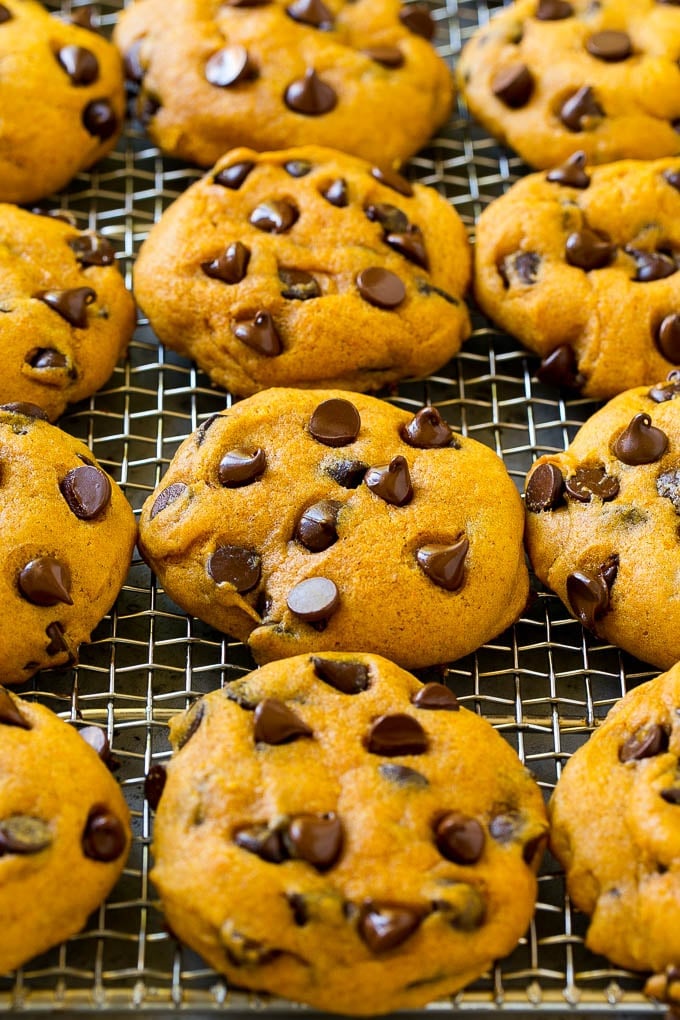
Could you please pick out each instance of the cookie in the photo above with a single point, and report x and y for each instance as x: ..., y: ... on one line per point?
x: 603, y: 529
x: 62, y: 98
x: 68, y: 534
x: 65, y: 315
x: 549, y: 77
x: 309, y: 268
x: 302, y: 521
x: 62, y: 815
x: 615, y: 827
x: 581, y: 264
x: 361, y: 867
x: 358, y: 76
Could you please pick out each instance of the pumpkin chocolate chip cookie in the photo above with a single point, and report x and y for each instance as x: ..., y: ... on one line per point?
x: 338, y: 833
x: 306, y: 520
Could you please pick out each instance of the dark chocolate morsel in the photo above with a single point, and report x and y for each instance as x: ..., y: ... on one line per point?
x: 275, y: 723
x: 545, y: 488
x: 391, y: 179
x: 513, y: 85
x: 571, y: 173
x: 80, y: 64
x: 26, y: 409
x: 640, y: 442
x: 389, y: 216
x: 104, y: 836
x: 667, y: 337
x: 229, y: 267
x: 57, y: 642
x: 232, y: 564
x: 610, y: 46
x: 644, y: 743
x: 46, y: 357
x: 381, y: 287
x: 45, y: 581
x: 444, y: 564
x: 592, y: 480
x: 192, y: 720
x: 385, y: 924
x: 99, y: 119
x: 652, y: 265
x: 671, y: 794
x: 240, y: 467
x: 668, y: 487
x: 5, y: 14
x: 317, y: 527
x: 427, y: 430
x: 587, y: 250
x: 154, y: 784
x: 10, y: 714
x: 87, y: 491
x: 96, y: 737
x: 588, y: 597
x: 396, y: 734
x: 316, y: 839
x: 311, y: 12
x: 505, y: 826
x: 92, y: 249
x: 310, y: 96
x: 230, y: 66
x: 167, y: 496
x: 388, y: 56
x: 391, y: 482
x: 274, y: 217
x: 202, y: 429
x: 579, y: 109
x: 560, y: 368
x: 348, y: 473
x: 70, y: 304
x: 260, y: 335
x: 459, y: 838
x: 524, y: 265
x: 436, y: 697
x: 263, y: 841
x: 335, y: 422
x: 411, y: 245
x: 314, y: 600
x: 553, y: 10
x: 297, y: 167
x: 403, y: 775
x: 337, y: 193
x: 298, y: 285
x: 343, y: 675
x: 233, y: 176
x: 417, y: 18
x: 667, y: 390
x: 23, y: 834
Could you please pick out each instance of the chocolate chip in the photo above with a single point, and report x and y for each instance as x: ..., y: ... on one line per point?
x: 667, y: 337
x: 314, y: 600
x: 298, y: 285
x: 104, y: 837
x: 609, y: 46
x: 588, y: 597
x: 402, y: 775
x: 644, y: 743
x: 275, y: 723
x: 592, y: 480
x: 192, y: 720
x: 671, y: 795
x: 417, y: 18
x: 167, y: 496
x: 465, y: 910
x: 46, y: 357
x: 385, y: 924
x: 388, y: 56
x: 652, y: 265
x: 45, y: 581
x: 5, y: 14
x: 83, y: 17
x: 667, y: 390
x: 337, y: 193
x: 343, y: 675
x: 230, y: 66
x: 436, y: 697
x: 234, y: 565
x: 381, y: 287
x: 668, y: 487
x: 578, y: 111
x: 65, y: 215
x: 57, y: 642
x: 247, y: 3
x: 87, y: 491
x: 99, y: 119
x: 231, y: 266
x: 25, y: 409
x: 239, y: 692
x: 316, y: 839
x: 505, y: 826
x: 640, y: 442
x: 391, y: 179
x: 92, y: 249
x: 335, y: 422
x: 154, y: 784
x: 427, y: 430
x: 70, y: 304
x: 242, y: 951
x: 587, y: 250
x: 392, y: 735
x: 545, y: 488
x: 311, y: 96
x: 298, y: 167
x: 672, y: 176
x: 459, y: 838
x: 390, y: 218
x: 23, y: 834
x: 524, y: 265
x: 202, y: 429
x: 391, y: 482
x: 233, y: 176
x: 265, y: 842
x: 348, y: 473
x: 260, y: 334
x: 553, y: 10
x: 80, y: 64
x: 274, y: 216
x: 571, y: 174
x: 97, y: 739
x: 9, y: 712
x: 317, y: 527
x: 444, y: 564
x: 239, y: 467
x: 411, y: 245
x: 311, y: 12
x: 560, y: 368
x: 513, y: 85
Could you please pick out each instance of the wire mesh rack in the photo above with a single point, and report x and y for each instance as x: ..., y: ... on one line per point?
x: 544, y: 683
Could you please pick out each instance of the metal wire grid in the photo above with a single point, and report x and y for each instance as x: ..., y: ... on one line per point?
x: 544, y: 683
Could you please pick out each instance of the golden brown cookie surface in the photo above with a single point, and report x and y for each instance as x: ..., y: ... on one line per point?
x: 68, y: 533
x: 602, y: 522
x: 301, y: 520
x: 65, y: 315
x: 359, y: 76
x: 552, y: 76
x: 581, y: 264
x: 62, y: 99
x: 61, y: 815
x: 334, y: 831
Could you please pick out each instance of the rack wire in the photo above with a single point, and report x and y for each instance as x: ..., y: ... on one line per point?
x: 544, y: 683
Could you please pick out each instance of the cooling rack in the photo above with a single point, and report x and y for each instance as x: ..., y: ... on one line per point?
x: 544, y: 684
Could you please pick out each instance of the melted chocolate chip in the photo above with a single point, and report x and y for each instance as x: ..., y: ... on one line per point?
x: 231, y: 266
x: 316, y: 839
x: 381, y: 287
x: 640, y: 442
x: 505, y: 826
x: 592, y: 480
x: 192, y: 720
x: 23, y: 834
x: 652, y: 265
x: 667, y: 337
x: 348, y: 473
x: 644, y: 743
x: 391, y: 179
x: 668, y: 487
x: 513, y: 85
x: 666, y: 391
x: 92, y: 249
x: 260, y: 335
x: 335, y: 422
x: 587, y: 250
x: 25, y: 409
x: 99, y: 119
x: 297, y: 285
x: 202, y: 429
x: 167, y: 496
x: 154, y: 784
x: 385, y: 924
x: 311, y: 12
x: 274, y: 217
x: 80, y: 64
x: 578, y: 111
x: 230, y: 66
x: 57, y: 642
x: 263, y: 841
x: 314, y: 600
x: 70, y: 304
x: 671, y: 795
x: 545, y: 488
x: 560, y: 368
x: 571, y: 174
x: 234, y: 565
x: 275, y: 723
x: 417, y: 18
x: 46, y: 357
x: 391, y: 482
x: 402, y: 775
x: 10, y: 714
x: 588, y: 597
x: 87, y: 492
x: 5, y: 14
x: 297, y: 167
x: 337, y: 193
x: 459, y: 838
x: 411, y: 245
x: 310, y: 96
x: 609, y: 46
x: 393, y: 735
x: 553, y: 10
x: 239, y: 467
x: 390, y: 218
x: 97, y: 739
x: 45, y: 581
x: 427, y: 430
x: 388, y: 56
x: 343, y: 675
x: 317, y: 527
x: 436, y: 697
x: 104, y: 837
x: 233, y: 176
x: 444, y: 564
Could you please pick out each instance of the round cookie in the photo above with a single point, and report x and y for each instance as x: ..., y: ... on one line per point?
x: 615, y: 827
x: 62, y: 817
x: 603, y: 529
x: 309, y: 268
x: 336, y: 832
x: 305, y: 521
x: 62, y: 98
x: 358, y: 75
x: 65, y: 315
x: 68, y: 534
x: 552, y: 76
x: 582, y: 266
